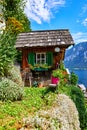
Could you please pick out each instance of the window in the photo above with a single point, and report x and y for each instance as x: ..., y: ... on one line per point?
x: 40, y: 58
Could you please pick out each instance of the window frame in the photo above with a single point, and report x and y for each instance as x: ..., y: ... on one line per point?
x: 40, y: 59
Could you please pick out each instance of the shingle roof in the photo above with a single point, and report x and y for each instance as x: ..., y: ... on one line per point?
x: 44, y: 38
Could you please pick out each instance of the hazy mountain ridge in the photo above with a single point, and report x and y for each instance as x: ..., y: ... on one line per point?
x: 76, y: 57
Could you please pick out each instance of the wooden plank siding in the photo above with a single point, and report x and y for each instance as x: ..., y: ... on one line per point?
x: 56, y: 56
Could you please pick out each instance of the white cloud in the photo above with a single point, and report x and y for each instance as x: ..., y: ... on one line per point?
x: 84, y: 9
x: 84, y: 22
x: 41, y: 10
x: 79, y: 37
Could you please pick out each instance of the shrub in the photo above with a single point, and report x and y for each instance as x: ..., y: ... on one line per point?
x: 9, y: 90
x: 78, y: 98
x: 7, y: 51
x: 14, y: 75
x: 74, y: 78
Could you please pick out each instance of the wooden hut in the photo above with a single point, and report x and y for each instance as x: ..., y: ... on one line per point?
x: 46, y: 47
x: 40, y: 47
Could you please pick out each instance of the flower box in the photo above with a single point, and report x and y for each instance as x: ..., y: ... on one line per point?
x: 40, y: 69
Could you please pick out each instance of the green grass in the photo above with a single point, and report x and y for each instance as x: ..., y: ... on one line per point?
x: 12, y: 113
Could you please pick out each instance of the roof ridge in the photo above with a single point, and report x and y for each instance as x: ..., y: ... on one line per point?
x: 47, y: 30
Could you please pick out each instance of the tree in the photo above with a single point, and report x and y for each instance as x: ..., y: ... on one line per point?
x: 14, y: 25
x: 7, y: 42
x: 7, y: 51
x: 13, y: 13
x: 15, y: 8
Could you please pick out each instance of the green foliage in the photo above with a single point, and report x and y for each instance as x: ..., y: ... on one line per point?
x: 15, y: 8
x: 25, y: 22
x: 49, y: 95
x: 78, y: 98
x: 10, y: 90
x: 19, y: 57
x: 14, y: 75
x: 39, y: 66
x: 12, y: 7
x: 33, y: 98
x: 73, y: 78
x: 7, y: 51
x: 32, y: 101
x: 14, y: 25
x: 62, y: 75
x: 57, y: 73
x: 65, y: 89
x: 62, y: 66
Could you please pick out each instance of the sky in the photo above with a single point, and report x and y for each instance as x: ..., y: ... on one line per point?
x: 59, y: 14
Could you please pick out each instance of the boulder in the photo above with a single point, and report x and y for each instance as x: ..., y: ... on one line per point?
x: 63, y: 115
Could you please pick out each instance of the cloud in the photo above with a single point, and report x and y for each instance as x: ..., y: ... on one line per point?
x: 41, y: 10
x: 79, y: 37
x: 78, y: 21
x: 84, y: 22
x: 84, y: 9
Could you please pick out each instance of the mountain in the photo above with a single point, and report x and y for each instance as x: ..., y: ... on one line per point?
x: 76, y: 57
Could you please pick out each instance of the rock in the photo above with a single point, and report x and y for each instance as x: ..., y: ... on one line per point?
x: 63, y: 115
x: 82, y: 87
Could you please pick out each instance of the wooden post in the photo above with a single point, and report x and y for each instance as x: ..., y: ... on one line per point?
x: 24, y: 59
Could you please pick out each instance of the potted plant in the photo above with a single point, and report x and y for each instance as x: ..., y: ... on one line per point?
x: 57, y: 75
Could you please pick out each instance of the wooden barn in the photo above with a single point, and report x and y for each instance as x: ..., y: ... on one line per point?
x: 42, y: 50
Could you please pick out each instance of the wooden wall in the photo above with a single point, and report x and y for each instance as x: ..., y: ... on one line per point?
x: 56, y: 56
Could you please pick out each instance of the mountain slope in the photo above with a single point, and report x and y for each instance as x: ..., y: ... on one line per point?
x: 76, y: 57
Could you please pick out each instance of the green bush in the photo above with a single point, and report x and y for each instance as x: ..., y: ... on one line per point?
x: 7, y: 51
x: 9, y: 90
x: 78, y: 98
x: 73, y: 78
x: 14, y: 75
